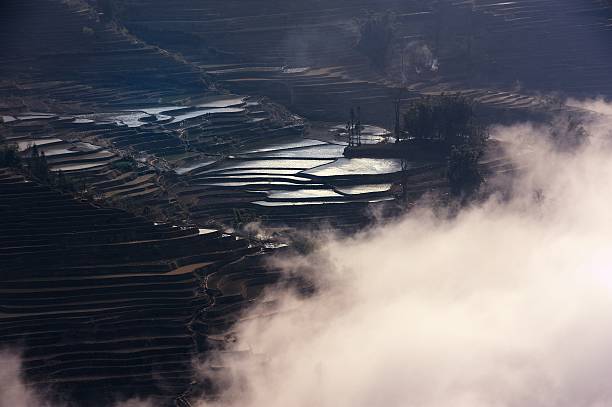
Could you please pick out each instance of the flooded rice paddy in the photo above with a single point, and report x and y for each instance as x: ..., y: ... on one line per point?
x: 277, y: 171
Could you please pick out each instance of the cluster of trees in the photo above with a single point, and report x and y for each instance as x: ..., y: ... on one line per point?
x: 353, y: 127
x: 9, y: 156
x: 126, y: 164
x: 376, y: 33
x: 568, y: 132
x: 449, y: 123
x: 35, y: 165
x: 449, y: 119
x: 463, y: 171
x: 38, y: 168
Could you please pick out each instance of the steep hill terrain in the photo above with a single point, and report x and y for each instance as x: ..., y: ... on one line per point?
x: 304, y: 54
x: 182, y: 131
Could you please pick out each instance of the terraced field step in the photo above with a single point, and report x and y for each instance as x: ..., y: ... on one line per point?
x: 87, y: 313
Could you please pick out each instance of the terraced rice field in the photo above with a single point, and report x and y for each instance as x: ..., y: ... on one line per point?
x: 94, y: 147
x: 268, y: 177
x: 104, y: 304
x: 54, y: 50
x: 280, y: 170
x: 183, y: 123
x: 501, y: 53
x: 295, y: 183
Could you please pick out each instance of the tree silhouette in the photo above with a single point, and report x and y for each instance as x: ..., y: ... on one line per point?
x: 463, y: 172
x: 39, y: 168
x: 449, y: 123
x: 449, y: 119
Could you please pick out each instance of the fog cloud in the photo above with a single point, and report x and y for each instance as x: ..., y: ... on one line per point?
x: 508, y: 304
x: 13, y: 391
x: 599, y: 105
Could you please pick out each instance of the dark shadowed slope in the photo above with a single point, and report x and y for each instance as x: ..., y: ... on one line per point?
x: 103, y: 304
